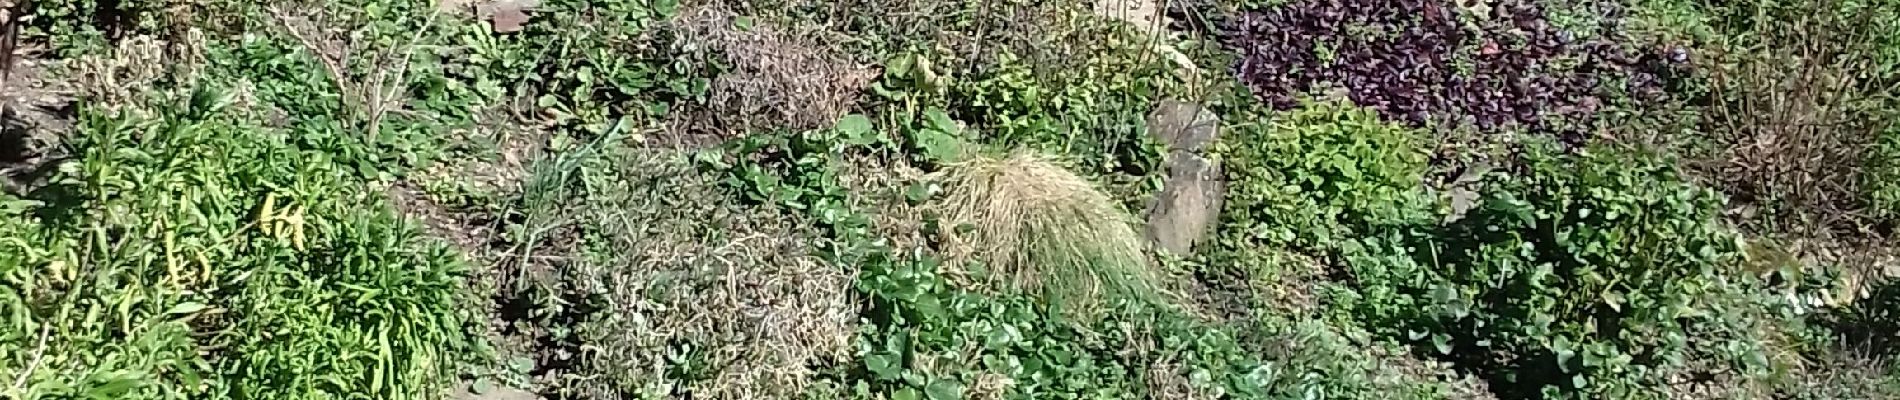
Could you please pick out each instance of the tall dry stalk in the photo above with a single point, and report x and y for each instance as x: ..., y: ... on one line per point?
x: 1797, y: 115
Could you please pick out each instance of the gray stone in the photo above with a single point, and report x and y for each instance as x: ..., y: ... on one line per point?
x: 469, y: 391
x: 1184, y: 126
x: 1189, y: 203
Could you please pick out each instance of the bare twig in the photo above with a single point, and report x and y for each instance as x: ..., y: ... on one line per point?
x: 332, y: 63
x: 371, y: 100
x: 39, y: 351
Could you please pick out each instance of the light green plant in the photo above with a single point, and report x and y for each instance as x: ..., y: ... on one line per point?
x: 170, y: 260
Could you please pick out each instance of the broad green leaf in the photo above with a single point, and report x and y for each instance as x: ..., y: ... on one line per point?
x: 186, y: 308
x: 944, y: 389
x: 1442, y: 342
x: 906, y: 394
x: 941, y: 121
x: 886, y: 366
x: 856, y: 130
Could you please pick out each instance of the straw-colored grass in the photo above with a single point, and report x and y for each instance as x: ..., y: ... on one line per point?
x: 1024, y: 222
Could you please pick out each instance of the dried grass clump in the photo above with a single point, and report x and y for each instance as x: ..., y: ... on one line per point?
x: 690, y: 274
x: 122, y: 76
x: 1035, y: 226
x: 774, y: 78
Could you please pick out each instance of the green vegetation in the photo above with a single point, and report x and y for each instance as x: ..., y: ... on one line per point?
x: 190, y: 250
x: 1593, y: 274
x: 937, y: 200
x: 1315, y: 176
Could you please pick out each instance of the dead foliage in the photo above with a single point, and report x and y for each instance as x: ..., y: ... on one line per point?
x: 1037, y: 227
x: 773, y: 78
x: 1848, y: 375
x: 1795, y: 119
x: 117, y: 78
x: 881, y: 183
x: 1169, y: 379
x: 691, y: 279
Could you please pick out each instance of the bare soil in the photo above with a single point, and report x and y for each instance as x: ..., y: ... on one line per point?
x: 35, y: 111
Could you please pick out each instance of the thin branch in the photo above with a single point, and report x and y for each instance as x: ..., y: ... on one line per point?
x: 39, y: 351
x: 295, y: 26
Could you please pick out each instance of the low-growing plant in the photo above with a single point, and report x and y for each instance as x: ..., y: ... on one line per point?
x: 583, y: 66
x: 1312, y: 176
x: 1092, y: 112
x: 1584, y: 275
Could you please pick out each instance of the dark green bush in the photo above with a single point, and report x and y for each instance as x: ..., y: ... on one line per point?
x: 1595, y: 274
x: 1589, y: 275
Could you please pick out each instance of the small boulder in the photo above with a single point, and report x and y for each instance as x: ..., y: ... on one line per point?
x: 484, y: 390
x: 1184, y: 126
x: 1189, y: 203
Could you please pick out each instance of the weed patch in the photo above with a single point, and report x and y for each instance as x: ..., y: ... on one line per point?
x: 1588, y: 273
x: 775, y: 78
x: 1799, y: 114
x: 164, y: 261
x: 1313, y: 176
x: 690, y: 294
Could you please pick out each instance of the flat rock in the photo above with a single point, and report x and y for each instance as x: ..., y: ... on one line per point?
x: 1184, y: 126
x: 467, y: 391
x: 1189, y: 203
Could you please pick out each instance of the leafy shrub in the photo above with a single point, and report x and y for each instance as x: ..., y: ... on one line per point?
x: 78, y: 26
x: 1583, y: 275
x: 1314, y: 175
x: 1498, y: 66
x: 1590, y: 274
x: 585, y: 64
x: 1090, y: 112
x: 927, y: 336
x: 1087, y: 104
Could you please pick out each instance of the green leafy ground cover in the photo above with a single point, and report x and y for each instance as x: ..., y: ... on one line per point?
x: 381, y: 199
